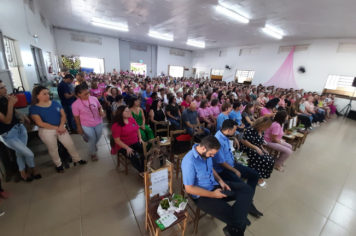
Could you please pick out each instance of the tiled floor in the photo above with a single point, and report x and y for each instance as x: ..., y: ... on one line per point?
x: 316, y: 195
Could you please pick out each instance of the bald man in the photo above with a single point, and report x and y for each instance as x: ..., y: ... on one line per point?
x: 190, y: 118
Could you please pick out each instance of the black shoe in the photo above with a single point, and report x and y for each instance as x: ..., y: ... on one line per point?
x: 248, y: 222
x: 38, y: 176
x: 60, y: 169
x: 17, y: 177
x: 233, y: 231
x: 27, y: 180
x: 82, y: 162
x: 253, y: 211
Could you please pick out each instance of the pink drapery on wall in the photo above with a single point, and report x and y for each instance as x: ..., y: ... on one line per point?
x: 284, y: 77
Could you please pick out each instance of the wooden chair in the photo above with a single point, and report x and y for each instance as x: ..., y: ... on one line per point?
x: 166, y: 129
x: 176, y: 158
x: 153, y: 203
x: 121, y: 159
x: 196, y: 216
x: 155, y: 145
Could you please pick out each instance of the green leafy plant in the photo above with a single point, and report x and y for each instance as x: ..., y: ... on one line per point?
x: 178, y: 199
x: 164, y: 204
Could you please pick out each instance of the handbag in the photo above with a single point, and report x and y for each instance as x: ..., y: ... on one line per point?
x: 22, y: 101
x: 198, y: 138
x: 181, y: 144
x: 27, y: 94
x: 155, y: 159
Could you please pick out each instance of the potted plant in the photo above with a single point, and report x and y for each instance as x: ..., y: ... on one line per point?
x: 289, y: 131
x: 301, y: 127
x: 164, y: 204
x: 178, y: 199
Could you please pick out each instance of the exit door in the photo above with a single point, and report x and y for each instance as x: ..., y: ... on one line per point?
x: 39, y: 64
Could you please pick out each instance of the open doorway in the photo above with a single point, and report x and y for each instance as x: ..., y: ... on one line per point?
x: 39, y: 64
x: 13, y: 62
x: 138, y: 68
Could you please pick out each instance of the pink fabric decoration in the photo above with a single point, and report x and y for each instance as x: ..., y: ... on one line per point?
x: 284, y: 77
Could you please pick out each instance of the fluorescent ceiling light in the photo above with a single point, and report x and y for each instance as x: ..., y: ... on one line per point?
x: 272, y: 33
x: 159, y: 36
x: 115, y: 27
x: 231, y: 14
x: 196, y: 44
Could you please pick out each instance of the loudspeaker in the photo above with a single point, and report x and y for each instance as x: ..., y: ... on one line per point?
x: 354, y: 83
x: 352, y: 115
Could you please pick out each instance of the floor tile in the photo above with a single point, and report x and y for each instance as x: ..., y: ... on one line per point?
x: 348, y: 198
x: 112, y: 221
x: 50, y: 212
x: 298, y: 215
x: 70, y: 229
x: 344, y: 217
x: 332, y: 229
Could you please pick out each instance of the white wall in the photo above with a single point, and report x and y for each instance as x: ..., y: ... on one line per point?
x: 13, y: 25
x: 164, y: 59
x: 320, y: 60
x: 149, y: 58
x: 109, y: 50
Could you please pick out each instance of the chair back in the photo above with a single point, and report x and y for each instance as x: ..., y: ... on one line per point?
x: 201, y: 131
x: 174, y: 143
x: 166, y: 124
x: 148, y: 182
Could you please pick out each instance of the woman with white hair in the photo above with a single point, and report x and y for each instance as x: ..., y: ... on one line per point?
x: 260, y: 100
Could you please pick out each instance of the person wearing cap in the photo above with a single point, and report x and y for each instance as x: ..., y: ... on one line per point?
x: 67, y: 99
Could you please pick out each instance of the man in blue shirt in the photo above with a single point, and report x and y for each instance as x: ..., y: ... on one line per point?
x: 190, y: 118
x: 145, y: 95
x: 225, y: 165
x: 129, y: 95
x: 204, y: 186
x: 224, y: 115
x: 67, y: 99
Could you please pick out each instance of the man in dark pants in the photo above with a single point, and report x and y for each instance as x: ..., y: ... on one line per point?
x: 67, y: 99
x: 225, y: 165
x: 204, y: 186
x: 8, y: 158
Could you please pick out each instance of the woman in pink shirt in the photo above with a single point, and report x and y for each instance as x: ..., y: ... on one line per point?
x: 205, y: 115
x: 214, y: 108
x: 273, y: 137
x: 88, y: 115
x: 95, y: 91
x: 127, y: 137
x: 282, y: 103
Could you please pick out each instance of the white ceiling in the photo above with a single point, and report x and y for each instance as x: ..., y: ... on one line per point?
x: 198, y: 20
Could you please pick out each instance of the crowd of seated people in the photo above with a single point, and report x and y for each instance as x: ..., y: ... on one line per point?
x: 134, y: 104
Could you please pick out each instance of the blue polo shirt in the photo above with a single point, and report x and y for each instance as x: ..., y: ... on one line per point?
x: 224, y: 154
x: 63, y: 88
x: 236, y: 116
x: 143, y: 100
x: 220, y: 120
x: 197, y: 171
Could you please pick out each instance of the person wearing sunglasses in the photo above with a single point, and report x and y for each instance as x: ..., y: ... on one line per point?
x: 88, y: 115
x: 14, y: 135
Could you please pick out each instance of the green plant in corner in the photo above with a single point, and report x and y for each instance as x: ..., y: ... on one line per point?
x: 178, y: 199
x: 164, y: 204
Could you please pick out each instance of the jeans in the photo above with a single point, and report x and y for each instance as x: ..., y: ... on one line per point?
x: 234, y: 215
x: 190, y: 131
x: 174, y: 122
x: 310, y: 117
x: 317, y: 117
x: 16, y: 139
x: 251, y: 175
x: 137, y: 158
x: 93, y: 134
x: 70, y: 117
x: 50, y: 136
x: 322, y: 112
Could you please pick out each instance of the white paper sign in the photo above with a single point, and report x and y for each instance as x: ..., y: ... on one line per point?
x: 295, y: 121
x: 232, y: 145
x: 159, y: 182
x: 290, y: 124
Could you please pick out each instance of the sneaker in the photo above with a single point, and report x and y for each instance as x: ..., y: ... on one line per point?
x: 2, y: 213
x: 310, y: 128
x: 232, y: 231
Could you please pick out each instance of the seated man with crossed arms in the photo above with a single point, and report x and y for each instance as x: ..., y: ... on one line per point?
x: 205, y: 187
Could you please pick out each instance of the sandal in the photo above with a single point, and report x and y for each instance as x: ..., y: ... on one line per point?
x: 94, y: 158
x: 263, y: 185
x: 38, y: 176
x: 284, y: 165
x: 279, y: 169
x: 81, y: 162
x: 27, y: 180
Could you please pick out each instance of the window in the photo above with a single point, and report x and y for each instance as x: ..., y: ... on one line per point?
x: 12, y: 62
x: 340, y: 85
x: 217, y: 72
x: 97, y: 64
x: 56, y: 62
x: 244, y: 75
x: 176, y: 71
x: 249, y: 51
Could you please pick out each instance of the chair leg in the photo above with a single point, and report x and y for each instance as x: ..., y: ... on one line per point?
x: 196, y: 220
x: 158, y: 232
x: 177, y: 168
x: 185, y: 224
x: 125, y: 163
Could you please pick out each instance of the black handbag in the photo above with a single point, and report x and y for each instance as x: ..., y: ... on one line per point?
x: 198, y: 138
x: 181, y: 144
